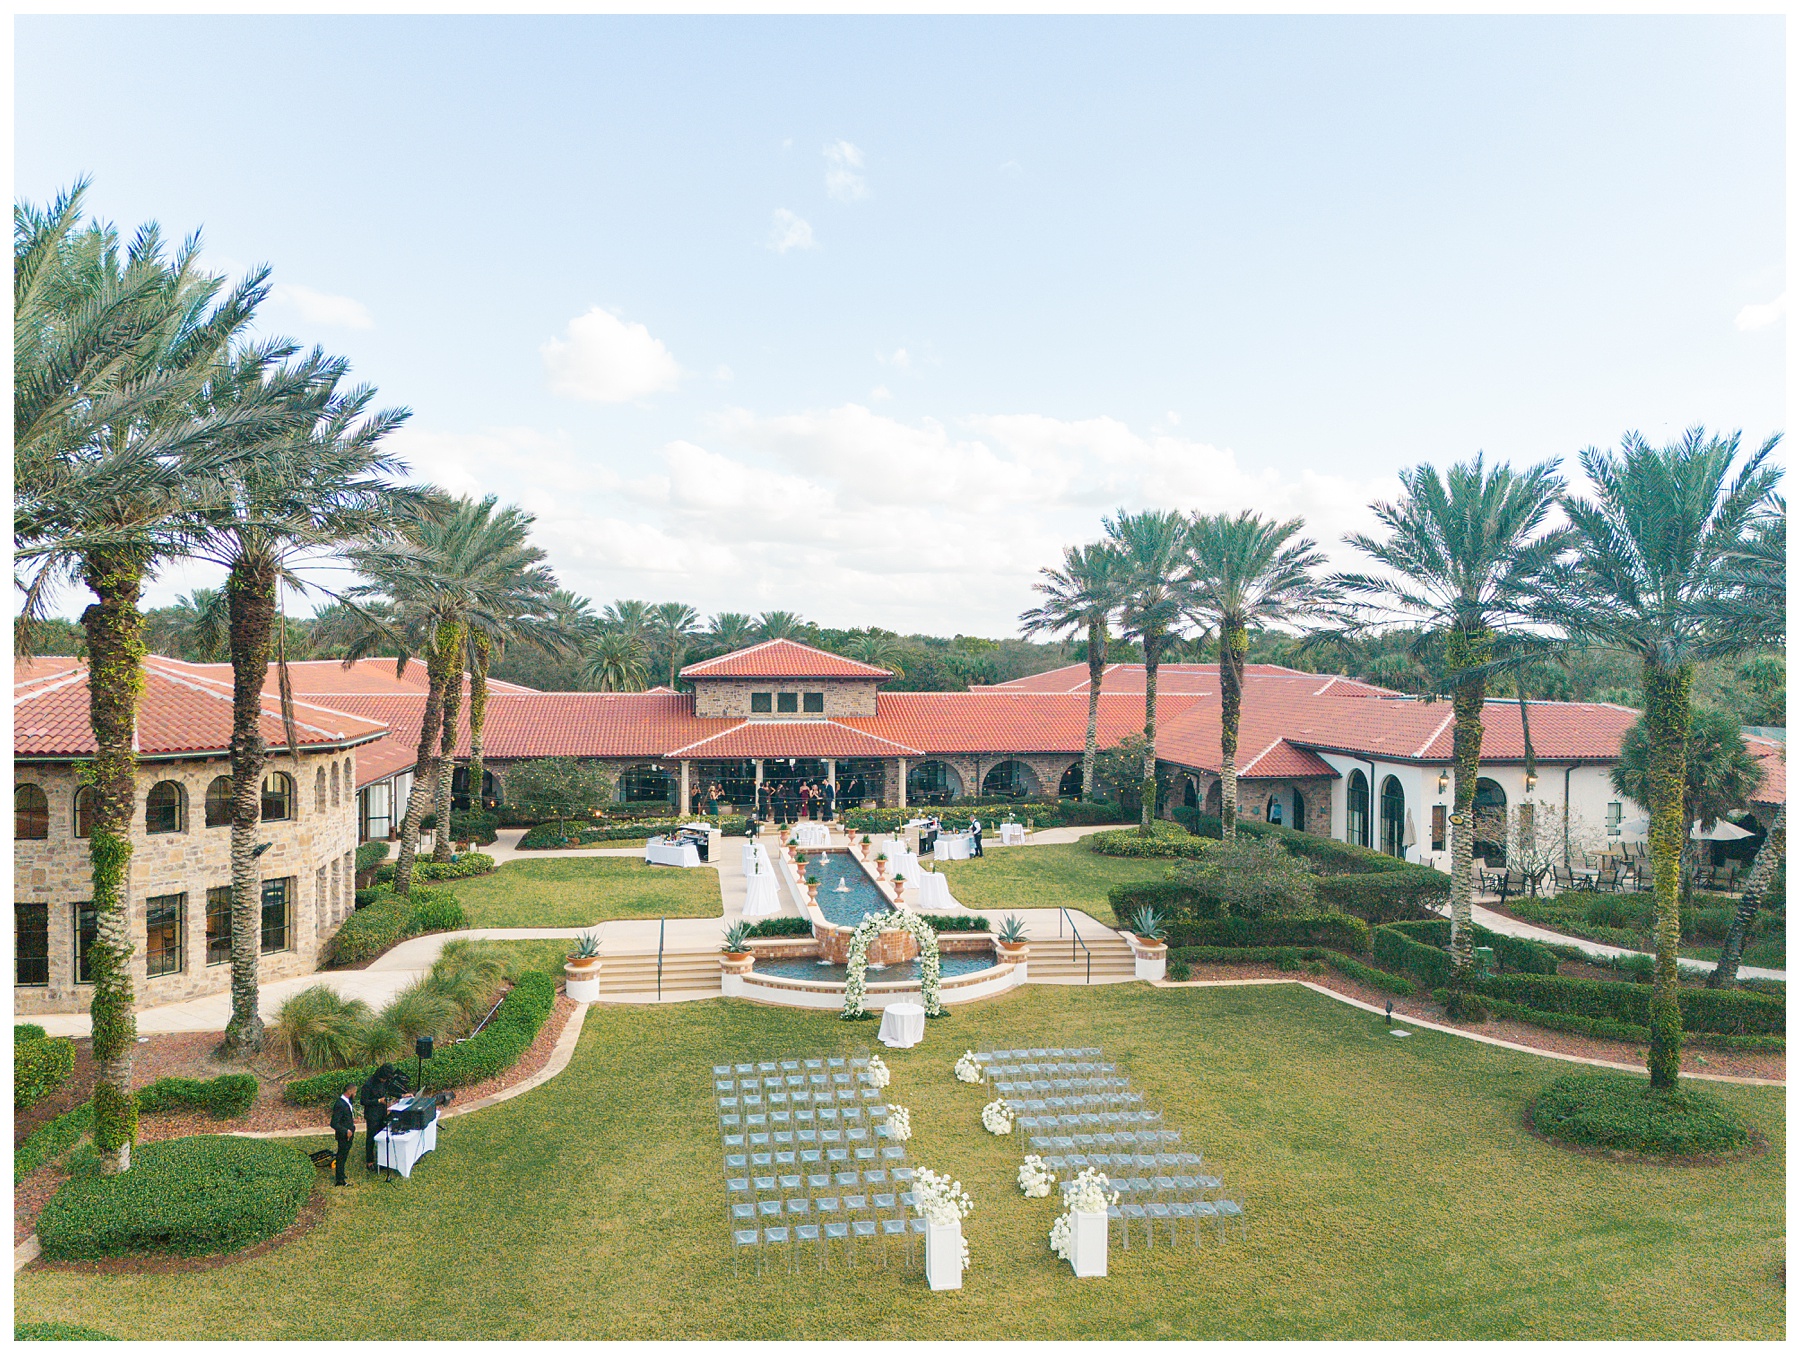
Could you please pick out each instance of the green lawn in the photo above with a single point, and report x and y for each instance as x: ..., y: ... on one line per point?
x: 577, y: 891
x: 1392, y: 1188
x: 1064, y: 875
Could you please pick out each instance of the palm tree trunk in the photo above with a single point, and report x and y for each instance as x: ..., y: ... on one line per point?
x: 1234, y: 643
x: 425, y: 769
x: 446, y: 771
x: 1096, y: 658
x: 478, y: 671
x: 1152, y: 655
x: 1666, y: 718
x: 114, y: 631
x: 1762, y: 873
x: 1464, y: 650
x: 250, y: 595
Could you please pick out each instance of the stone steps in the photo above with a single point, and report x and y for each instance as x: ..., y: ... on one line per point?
x: 634, y: 975
x: 1112, y: 961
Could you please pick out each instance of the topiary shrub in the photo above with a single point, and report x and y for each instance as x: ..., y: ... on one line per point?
x: 464, y: 867
x: 781, y: 926
x: 388, y: 919
x: 40, y: 1065
x: 1338, y: 930
x: 223, y: 1097
x: 370, y: 855
x: 189, y: 1197
x: 1627, y: 1115
x: 959, y: 922
x: 1166, y: 841
x: 28, y: 1030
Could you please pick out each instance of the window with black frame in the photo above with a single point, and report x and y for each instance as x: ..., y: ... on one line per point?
x: 86, y: 929
x: 165, y: 808
x: 218, y: 925
x: 218, y: 802
x: 165, y: 932
x: 1356, y: 804
x: 277, y: 915
x: 31, y: 811
x: 31, y: 944
x: 87, y: 803
x: 277, y: 797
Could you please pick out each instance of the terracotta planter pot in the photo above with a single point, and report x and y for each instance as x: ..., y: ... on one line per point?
x: 736, y: 962
x: 812, y: 893
x: 899, y: 889
x: 866, y: 847
x: 582, y: 968
x: 1013, y: 952
x: 881, y: 870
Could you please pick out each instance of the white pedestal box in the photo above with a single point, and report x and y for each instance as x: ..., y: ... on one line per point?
x: 1090, y: 1236
x: 584, y: 990
x: 1152, y: 970
x: 943, y: 1255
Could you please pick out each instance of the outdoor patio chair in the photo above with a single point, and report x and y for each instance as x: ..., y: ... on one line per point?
x: 778, y: 1102
x: 861, y: 1231
x: 1134, y: 1213
x: 790, y: 1181
x: 817, y: 1181
x: 876, y: 1177
x: 761, y: 1162
x: 730, y: 1123
x: 784, y: 1138
x: 901, y: 1174
x: 837, y: 1155
x: 1114, y: 1214
x: 827, y: 1115
x: 894, y: 1152
x: 864, y: 1155
x: 743, y: 1213
x: 760, y: 1142
x: 738, y: 1187
x: 1157, y: 1212
x: 885, y: 1202
x: 814, y: 1064
x: 790, y: 1065
x: 856, y: 1204
x: 907, y: 1201
x: 836, y: 1062
x: 768, y: 1067
x: 811, y: 1157
x: 769, y: 1209
x: 809, y: 1233
x: 734, y: 1143
x: 721, y: 1070
x: 1231, y: 1211
x: 831, y: 1138
x: 743, y: 1240
x: 1205, y: 1211
x: 787, y: 1158
x: 848, y: 1178
x: 742, y: 1069
x: 891, y: 1228
x: 835, y: 1231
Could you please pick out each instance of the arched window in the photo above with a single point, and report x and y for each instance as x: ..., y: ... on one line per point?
x: 641, y: 784
x: 1009, y: 780
x: 1190, y: 792
x: 319, y: 790
x: 335, y: 801
x: 277, y: 797
x: 1069, y: 788
x: 165, y: 808
x: 1490, y: 822
x: 1299, y: 823
x: 932, y: 782
x: 31, y: 811
x: 87, y: 804
x: 1356, y: 802
x: 1393, y: 817
x: 218, y: 802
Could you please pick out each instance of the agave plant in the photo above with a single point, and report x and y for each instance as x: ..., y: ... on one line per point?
x: 737, y: 938
x: 1012, y: 930
x: 1149, y: 923
x: 587, y: 947
x: 317, y: 1028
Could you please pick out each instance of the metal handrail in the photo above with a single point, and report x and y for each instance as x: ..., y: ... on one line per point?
x: 661, y: 927
x: 1075, y: 939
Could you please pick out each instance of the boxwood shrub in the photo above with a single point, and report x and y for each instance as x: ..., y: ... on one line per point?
x: 956, y: 922
x: 57, y: 1331
x: 192, y: 1197
x: 782, y: 926
x: 28, y: 1030
x: 1626, y: 1114
x: 1337, y: 930
x: 370, y: 855
x: 1708, y: 1010
x: 1167, y: 841
x: 464, y: 867
x: 225, y: 1096
x: 495, y: 1048
x: 1386, y: 896
x: 40, y: 1065
x: 1291, y: 957
x: 51, y: 1141
x: 1394, y: 949
x: 1171, y: 898
x: 387, y: 919
x: 1042, y: 813
x: 1510, y: 952
x: 573, y: 833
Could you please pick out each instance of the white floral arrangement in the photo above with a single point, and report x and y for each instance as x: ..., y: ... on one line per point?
x: 930, y: 964
x: 1035, y: 1179
x: 1087, y: 1195
x: 942, y: 1201
x: 997, y: 1116
x: 967, y: 1070
x: 899, y: 1124
x: 877, y: 1073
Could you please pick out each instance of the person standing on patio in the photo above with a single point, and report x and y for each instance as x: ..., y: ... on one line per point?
x: 343, y: 1124
x: 830, y: 791
x: 805, y: 799
x: 975, y: 837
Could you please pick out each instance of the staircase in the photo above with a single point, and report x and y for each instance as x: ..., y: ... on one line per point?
x: 1050, y: 962
x: 631, y: 976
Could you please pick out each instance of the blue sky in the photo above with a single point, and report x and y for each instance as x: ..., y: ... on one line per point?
x: 866, y: 318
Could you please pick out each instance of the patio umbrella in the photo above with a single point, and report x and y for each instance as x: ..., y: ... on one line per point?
x: 1724, y: 830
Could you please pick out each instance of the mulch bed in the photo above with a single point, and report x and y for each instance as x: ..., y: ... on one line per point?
x: 1730, y: 1062
x: 312, y: 1213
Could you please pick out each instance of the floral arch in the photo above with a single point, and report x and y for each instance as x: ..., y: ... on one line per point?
x: 899, y: 919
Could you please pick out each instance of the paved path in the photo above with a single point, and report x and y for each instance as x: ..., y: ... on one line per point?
x: 1507, y: 926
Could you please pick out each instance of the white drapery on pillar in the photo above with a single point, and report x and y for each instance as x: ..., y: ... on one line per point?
x: 901, y: 802
x: 685, y: 764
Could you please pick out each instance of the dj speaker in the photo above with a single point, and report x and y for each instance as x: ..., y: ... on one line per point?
x: 422, y: 1047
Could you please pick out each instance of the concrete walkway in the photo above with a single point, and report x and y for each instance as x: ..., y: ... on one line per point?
x: 1507, y: 926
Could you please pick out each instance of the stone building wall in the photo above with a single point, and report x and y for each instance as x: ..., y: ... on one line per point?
x: 316, y: 849
x: 729, y: 698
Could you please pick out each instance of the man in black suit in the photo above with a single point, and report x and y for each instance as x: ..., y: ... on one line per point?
x: 343, y: 1124
x: 975, y: 836
x: 830, y: 793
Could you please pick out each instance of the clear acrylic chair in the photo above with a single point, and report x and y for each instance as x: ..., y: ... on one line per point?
x: 1231, y: 1211
x: 836, y: 1231
x: 891, y: 1228
x: 862, y: 1233
x: 742, y: 1240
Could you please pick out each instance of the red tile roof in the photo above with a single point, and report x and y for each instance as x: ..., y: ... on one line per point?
x: 996, y: 720
x: 180, y: 713
x: 794, y: 738
x: 329, y: 677
x: 1193, y: 679
x: 556, y: 724
x: 1773, y: 758
x: 782, y: 659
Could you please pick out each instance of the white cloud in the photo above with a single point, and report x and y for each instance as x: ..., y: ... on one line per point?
x: 1760, y: 315
x: 789, y: 231
x: 898, y: 358
x: 881, y: 393
x: 603, y: 358
x: 722, y: 373
x: 322, y: 308
x: 1171, y: 418
x: 843, y: 177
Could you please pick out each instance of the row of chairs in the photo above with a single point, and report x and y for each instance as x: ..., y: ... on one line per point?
x: 853, y: 1236
x: 1079, y: 1101
x: 1019, y: 1055
x: 1096, y: 1121
x: 1142, y: 1141
x: 1002, y: 1072
x: 743, y: 1180
x: 775, y: 1082
x: 834, y: 1064
x: 1046, y: 1086
x: 1143, y: 1164
x: 1226, y: 1211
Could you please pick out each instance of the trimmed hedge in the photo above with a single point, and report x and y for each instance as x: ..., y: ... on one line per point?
x: 51, y: 1141
x: 370, y: 855
x: 40, y: 1066
x: 1336, y: 930
x: 1603, y: 1029
x: 1711, y: 1011
x: 498, y: 1045
x: 191, y: 1197
x: 1171, y: 898
x: 28, y: 1030
x: 1386, y: 896
x: 1167, y: 841
x: 781, y: 926
x: 1396, y: 950
x: 1627, y: 1114
x: 57, y: 1331
x: 955, y: 922
x: 1042, y: 813
x: 1510, y: 952
x: 546, y: 836
x: 464, y: 867
x: 389, y: 919
x: 225, y: 1096
x: 1291, y: 957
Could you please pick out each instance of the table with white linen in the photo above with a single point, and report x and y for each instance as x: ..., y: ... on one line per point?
x: 400, y: 1151
x: 934, y: 893
x: 902, y: 1025
x: 762, y: 897
x: 811, y: 835
x: 661, y: 852
x: 953, y: 847
x: 903, y: 865
x: 1012, y: 835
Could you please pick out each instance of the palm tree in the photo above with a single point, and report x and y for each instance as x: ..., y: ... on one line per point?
x: 558, y: 625
x: 881, y: 648
x: 196, y: 627
x: 1249, y: 572
x: 615, y: 663
x: 731, y: 630
x: 1462, y: 555
x: 780, y: 626
x: 1155, y: 580
x: 112, y: 357
x: 673, y: 625
x: 1646, y: 581
x: 628, y: 617
x: 458, y: 563
x: 1079, y: 600
x: 302, y: 490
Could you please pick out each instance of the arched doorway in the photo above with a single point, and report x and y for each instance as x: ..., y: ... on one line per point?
x: 1190, y: 793
x: 1393, y: 818
x: 1069, y: 788
x: 1009, y: 780
x: 647, y: 783
x: 1275, y: 813
x: 1490, y: 822
x: 459, y: 788
x: 1356, y: 805
x: 932, y: 782
x: 1215, y: 799
x: 1299, y: 821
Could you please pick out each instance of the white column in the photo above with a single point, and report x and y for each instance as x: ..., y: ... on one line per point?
x: 685, y: 764
x: 901, y: 802
x: 756, y: 795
